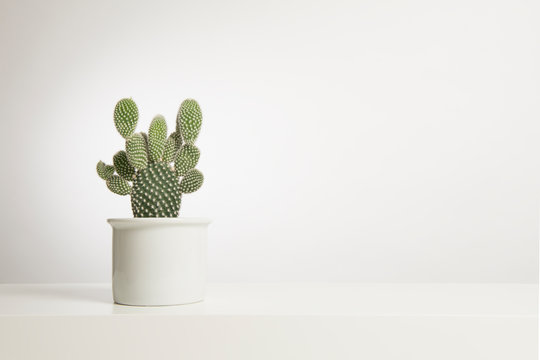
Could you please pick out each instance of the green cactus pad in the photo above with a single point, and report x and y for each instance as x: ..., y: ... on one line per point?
x: 156, y: 192
x: 169, y: 151
x: 145, y: 136
x: 189, y: 120
x: 177, y: 140
x: 192, y: 181
x: 118, y: 185
x: 157, y: 135
x: 186, y: 159
x: 126, y: 116
x: 104, y: 171
x: 122, y: 166
x: 136, y: 151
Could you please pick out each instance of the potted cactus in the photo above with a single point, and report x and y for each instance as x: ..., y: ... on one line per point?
x: 158, y: 258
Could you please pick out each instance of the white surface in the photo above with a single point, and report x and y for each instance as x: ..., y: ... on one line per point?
x: 518, y: 300
x: 275, y: 321
x: 159, y: 261
x: 342, y: 140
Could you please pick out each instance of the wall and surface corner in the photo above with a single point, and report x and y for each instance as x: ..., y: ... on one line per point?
x: 372, y: 141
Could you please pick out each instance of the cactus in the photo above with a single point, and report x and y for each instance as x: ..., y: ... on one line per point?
x: 104, y: 171
x: 118, y: 185
x: 155, y: 169
x: 186, y: 159
x: 169, y: 150
x: 122, y: 166
x: 137, y: 152
x: 192, y: 181
x: 188, y: 121
x: 126, y: 116
x: 157, y: 135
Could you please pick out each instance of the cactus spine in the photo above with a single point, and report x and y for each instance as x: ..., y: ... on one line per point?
x: 155, y: 169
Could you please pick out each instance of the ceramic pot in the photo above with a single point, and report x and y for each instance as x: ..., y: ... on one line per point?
x: 159, y: 261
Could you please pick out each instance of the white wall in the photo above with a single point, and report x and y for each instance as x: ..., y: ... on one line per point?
x: 342, y: 140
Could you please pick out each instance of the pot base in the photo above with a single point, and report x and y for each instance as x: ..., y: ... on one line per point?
x: 162, y: 305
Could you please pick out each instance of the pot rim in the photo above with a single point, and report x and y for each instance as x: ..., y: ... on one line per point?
x: 158, y: 221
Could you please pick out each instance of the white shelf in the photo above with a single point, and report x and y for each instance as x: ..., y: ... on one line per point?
x: 274, y: 321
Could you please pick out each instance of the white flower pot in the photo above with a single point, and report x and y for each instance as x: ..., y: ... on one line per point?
x: 159, y: 261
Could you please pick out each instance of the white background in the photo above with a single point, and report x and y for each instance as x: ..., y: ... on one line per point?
x: 342, y: 140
